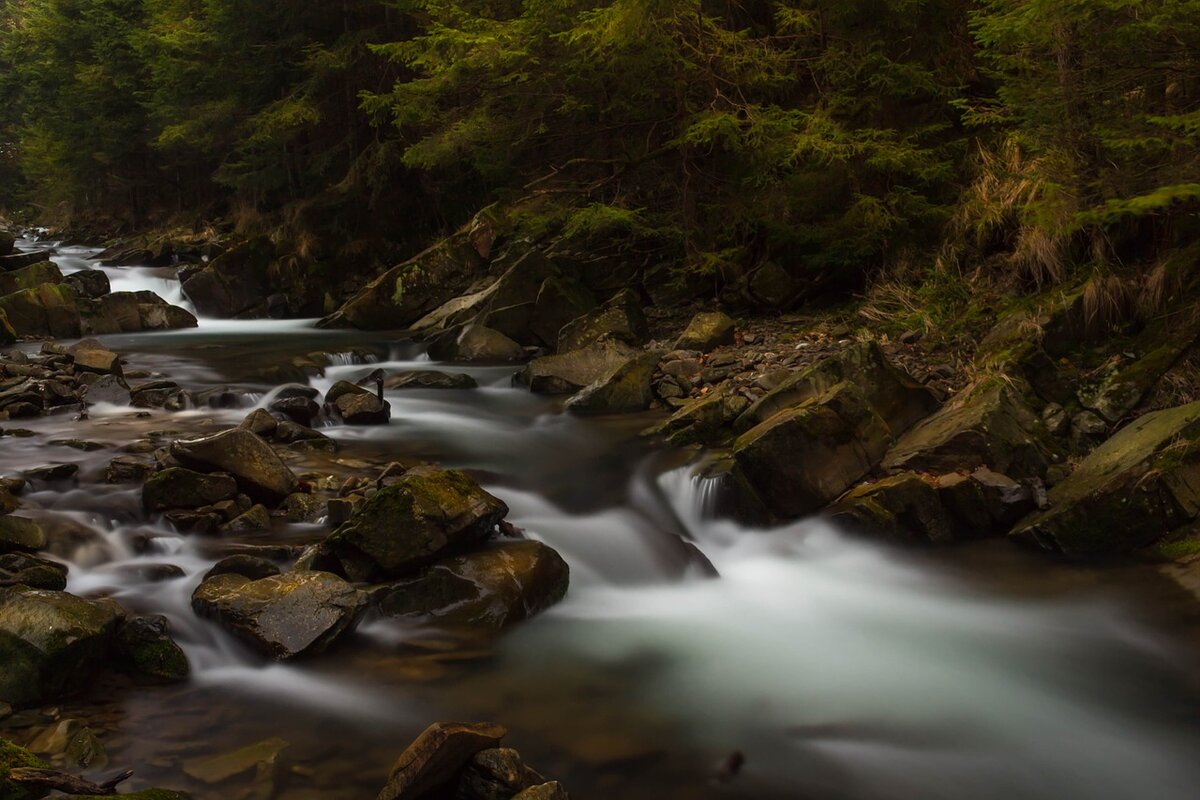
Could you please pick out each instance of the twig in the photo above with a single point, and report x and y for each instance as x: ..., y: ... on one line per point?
x: 64, y: 782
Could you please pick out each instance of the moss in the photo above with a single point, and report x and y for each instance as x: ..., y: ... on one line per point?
x: 14, y: 757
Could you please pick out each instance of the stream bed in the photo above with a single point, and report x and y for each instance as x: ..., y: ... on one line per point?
x: 841, y: 668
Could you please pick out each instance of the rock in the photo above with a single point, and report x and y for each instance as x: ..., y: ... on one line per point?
x: 128, y: 469
x: 8, y: 334
x: 302, y: 507
x: 494, y: 587
x: 51, y: 473
x: 200, y: 521
x: 898, y: 399
x: 14, y: 757
x: 902, y: 507
x: 258, y: 470
x: 1055, y: 418
x: 496, y: 774
x: 559, y: 302
x: 15, y: 261
x: 34, y: 572
x: 52, y: 644
x: 567, y: 373
x: 257, y: 518
x: 219, y: 768
x: 546, y: 791
x: 429, y: 379
x: 1130, y: 492
x: 706, y: 420
x: 260, y: 423
x: 184, y: 488
x: 20, y: 534
x: 91, y: 284
x: 166, y: 395
x: 475, y: 343
x: 436, y: 757
x: 983, y: 502
x: 48, y: 310
x: 1087, y: 430
x: 621, y: 319
x: 162, y: 316
x: 90, y: 356
x: 404, y: 294
x: 8, y: 243
x: 426, y: 514
x: 251, y: 567
x: 363, y: 408
x: 772, y: 286
x: 805, y: 457
x: 282, y: 616
x: 987, y: 424
x: 627, y: 389
x: 707, y: 331
x: 234, y: 283
x: 301, y: 410
x: 145, y: 649
x: 110, y: 389
x: 29, y: 277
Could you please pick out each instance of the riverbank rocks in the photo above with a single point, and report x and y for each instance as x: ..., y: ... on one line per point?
x: 987, y: 424
x: 704, y: 420
x: 436, y: 757
x: 52, y: 644
x: 89, y: 284
x: 48, y: 310
x: 259, y: 472
x: 29, y: 277
x: 492, y: 588
x: 424, y: 515
x: 628, y: 389
x: 707, y: 331
x: 1130, y: 492
x: 236, y: 282
x: 477, y: 343
x: 429, y: 379
x: 282, y: 616
x: 621, y: 319
x: 567, y: 373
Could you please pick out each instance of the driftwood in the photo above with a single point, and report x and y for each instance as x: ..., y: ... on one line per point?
x: 64, y: 782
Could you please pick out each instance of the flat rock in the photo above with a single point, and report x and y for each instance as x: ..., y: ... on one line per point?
x: 258, y: 470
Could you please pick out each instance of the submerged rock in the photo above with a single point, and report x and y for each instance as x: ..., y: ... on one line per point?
x: 494, y: 587
x: 282, y: 616
x: 259, y: 472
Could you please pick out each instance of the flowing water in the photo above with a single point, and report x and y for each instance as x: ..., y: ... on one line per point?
x: 839, y: 667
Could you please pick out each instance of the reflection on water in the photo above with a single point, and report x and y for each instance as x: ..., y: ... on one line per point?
x: 842, y: 669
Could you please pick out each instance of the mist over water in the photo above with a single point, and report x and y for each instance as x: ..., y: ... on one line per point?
x: 840, y: 667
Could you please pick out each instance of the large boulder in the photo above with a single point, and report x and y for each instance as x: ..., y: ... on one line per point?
x: 1131, y: 491
x: 52, y: 644
x: 145, y: 650
x: 91, y: 284
x: 477, y: 343
x: 14, y: 261
x: 989, y: 425
x: 705, y: 420
x: 627, y: 389
x: 892, y: 393
x: 356, y: 405
x: 48, y: 310
x: 235, y: 283
x: 435, y: 759
x: 493, y: 587
x: 29, y: 277
x: 707, y: 331
x: 803, y: 458
x: 259, y: 472
x: 177, y: 487
x: 567, y: 373
x: 559, y: 301
x: 427, y: 514
x: 621, y: 318
x: 282, y: 616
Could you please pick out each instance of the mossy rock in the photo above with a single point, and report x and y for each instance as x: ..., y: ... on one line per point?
x: 621, y: 318
x: 705, y: 420
x: 14, y: 757
x: 1129, y: 493
x: 47, y: 310
x: 628, y: 389
x: 177, y: 487
x: 20, y: 534
x: 29, y: 277
x: 903, y: 507
x: 146, y: 650
x: 567, y: 373
x: 707, y: 331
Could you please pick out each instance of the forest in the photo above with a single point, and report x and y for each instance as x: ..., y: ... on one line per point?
x: 839, y: 140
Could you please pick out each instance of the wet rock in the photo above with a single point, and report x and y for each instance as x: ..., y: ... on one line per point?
x: 145, y: 649
x: 234, y: 283
x: 983, y: 502
x: 902, y: 507
x: 621, y: 319
x: 298, y: 437
x: 429, y: 379
x: 219, y: 768
x: 567, y: 373
x: 257, y: 518
x: 363, y: 408
x: 162, y: 316
x: 177, y: 487
x: 260, y: 423
x: 20, y: 534
x: 14, y: 757
x: 476, y: 343
x: 52, y: 473
x: 426, y: 514
x: 166, y: 395
x: 34, y: 572
x: 8, y: 242
x: 627, y: 389
x: 201, y: 521
x: 546, y: 791
x: 47, y: 310
x: 110, y: 389
x: 707, y: 332
x: 150, y: 573
x: 301, y: 410
x: 258, y: 470
x: 52, y: 644
x: 283, y: 616
x: 437, y: 756
x: 91, y: 284
x: 708, y: 419
x: 803, y: 458
x: 1130, y: 492
x: 91, y: 356
x: 492, y: 588
x: 252, y: 567
x: 29, y: 277
x: 128, y: 469
x: 496, y: 774
x: 302, y: 507
x: 987, y: 424
x: 14, y: 261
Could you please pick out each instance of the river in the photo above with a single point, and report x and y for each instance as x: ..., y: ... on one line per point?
x: 843, y: 669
